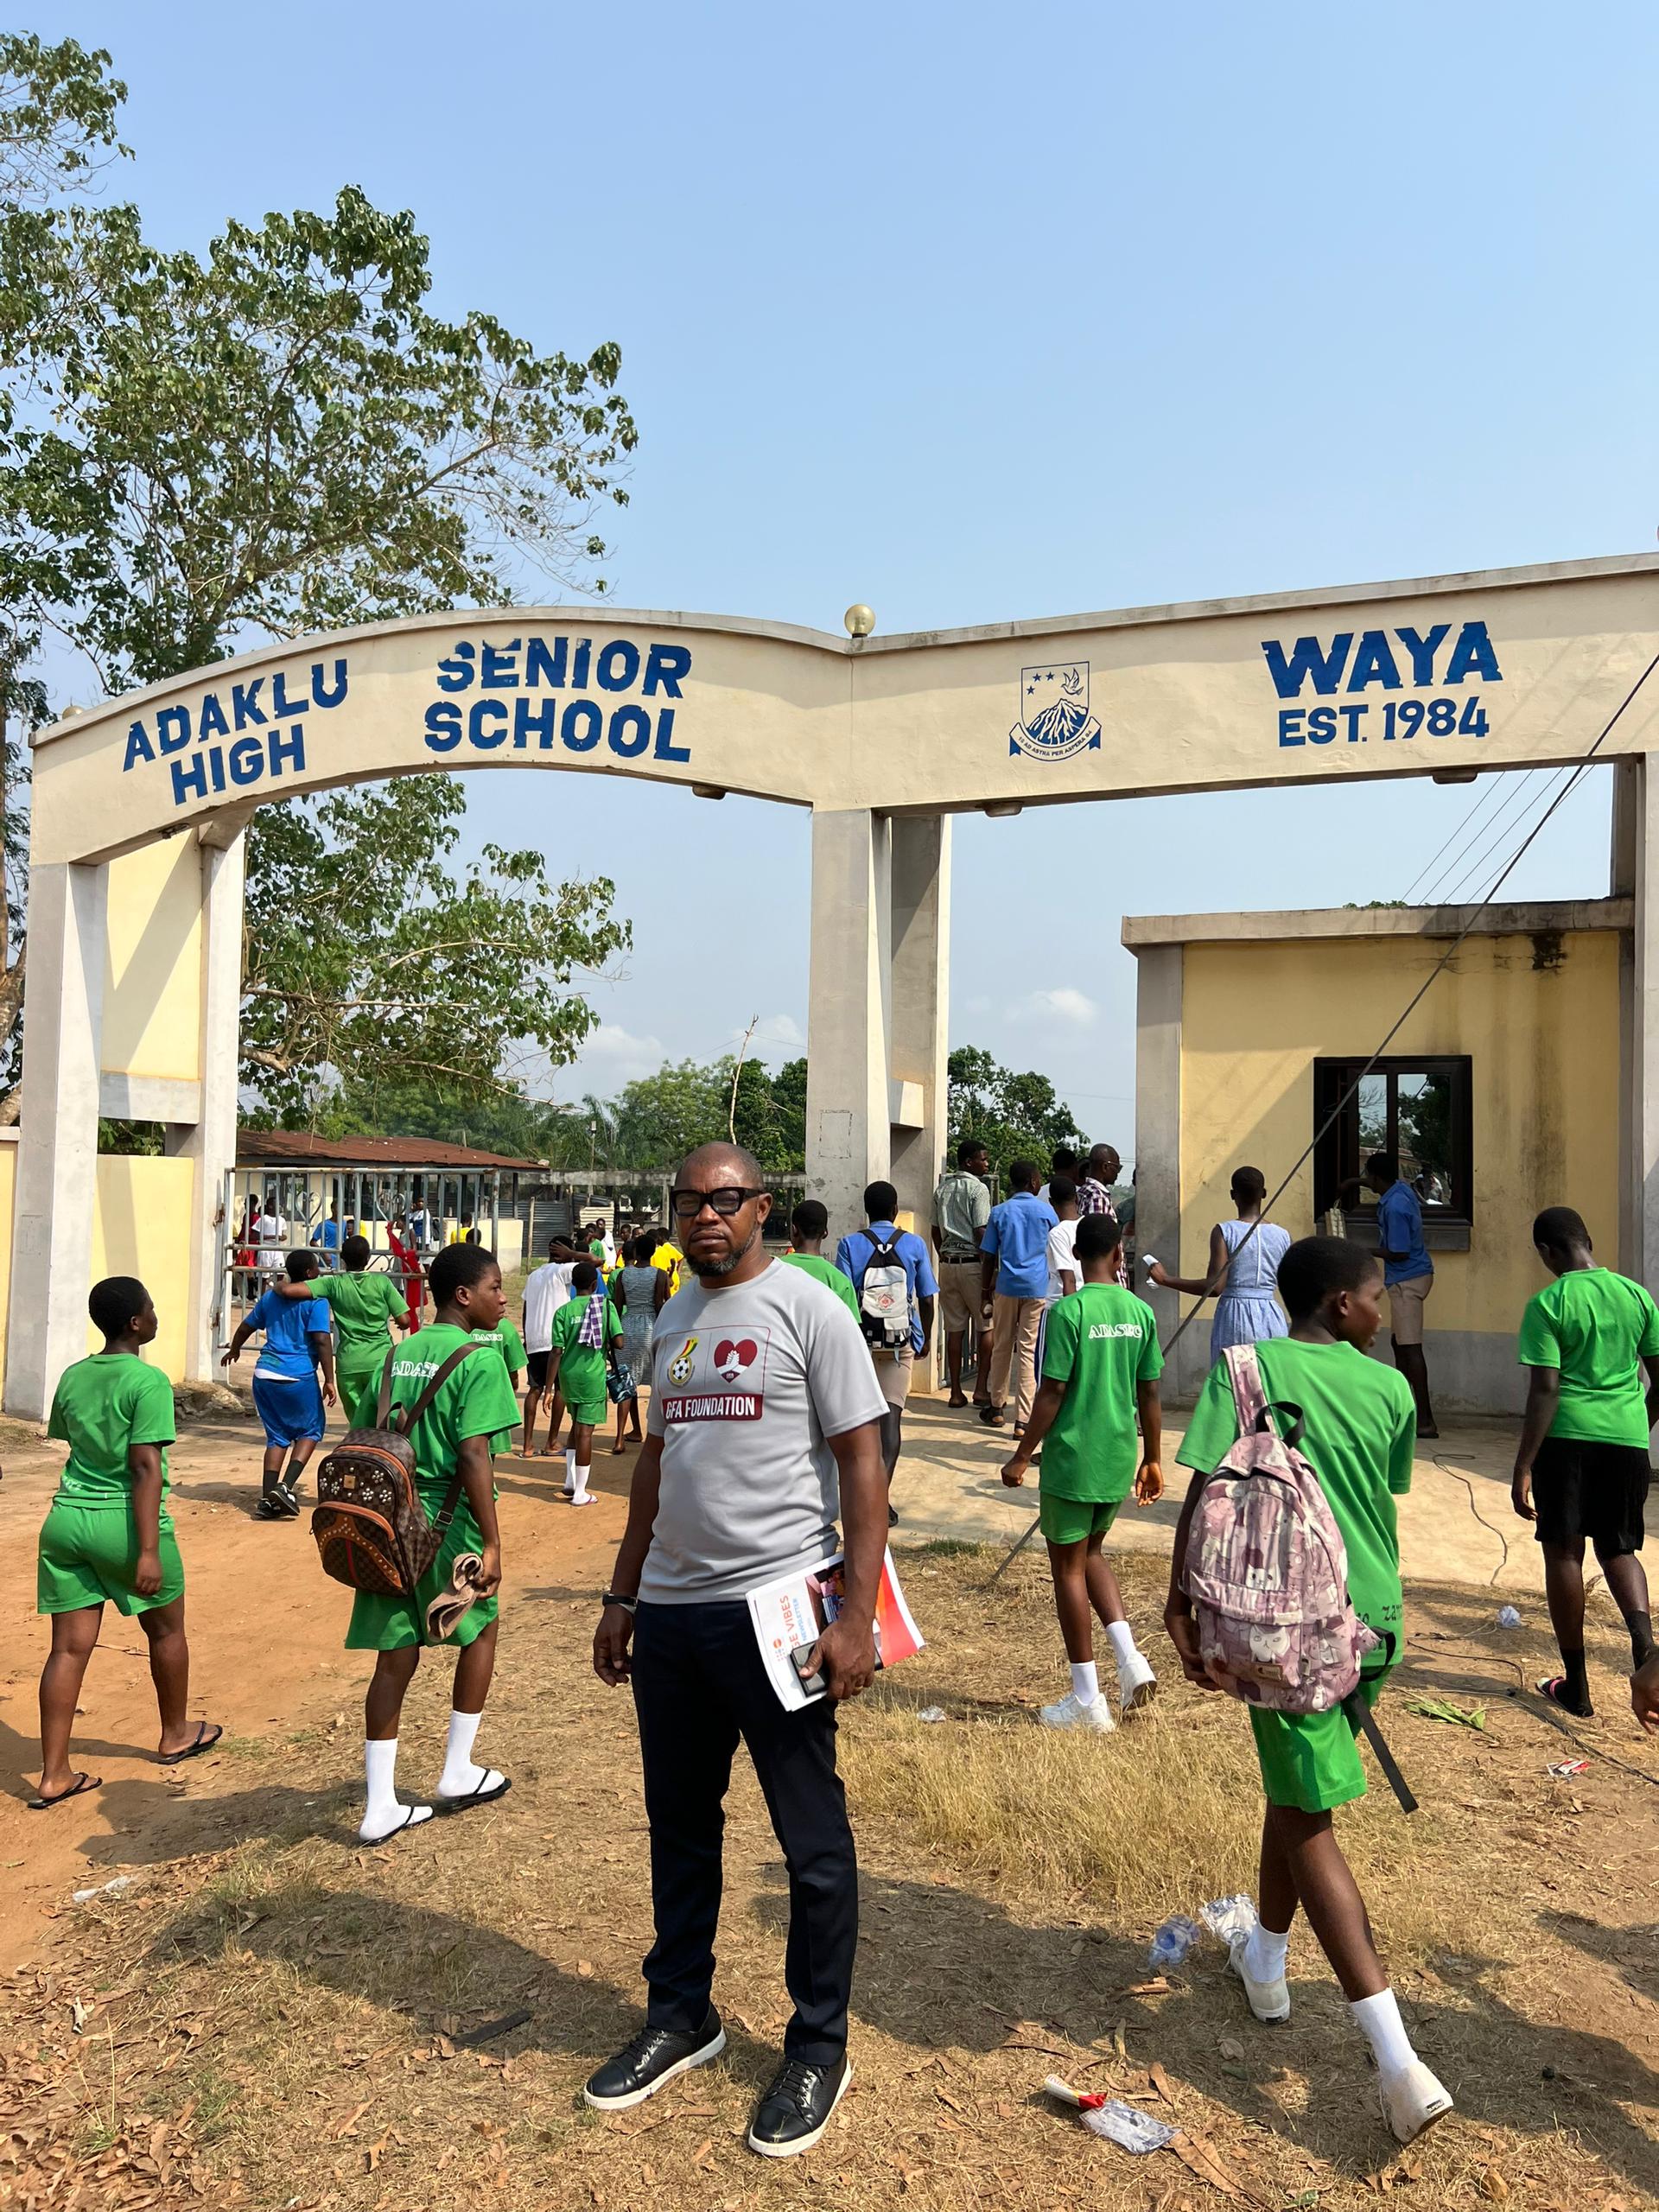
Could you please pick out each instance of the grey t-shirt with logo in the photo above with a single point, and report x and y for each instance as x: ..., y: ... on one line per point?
x: 746, y: 1385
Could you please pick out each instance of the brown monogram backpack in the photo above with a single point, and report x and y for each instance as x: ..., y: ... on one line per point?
x: 371, y: 1528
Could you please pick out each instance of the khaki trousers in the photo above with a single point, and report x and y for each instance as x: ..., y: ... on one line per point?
x: 1014, y: 1321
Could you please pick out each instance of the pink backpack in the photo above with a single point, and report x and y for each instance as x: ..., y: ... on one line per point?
x: 1267, y: 1569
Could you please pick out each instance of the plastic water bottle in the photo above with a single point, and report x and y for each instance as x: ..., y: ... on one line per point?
x: 1508, y: 1616
x: 1173, y: 1941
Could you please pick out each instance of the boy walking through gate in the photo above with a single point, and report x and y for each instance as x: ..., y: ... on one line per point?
x: 1581, y: 1466
x: 583, y: 1330
x: 1101, y: 1364
x: 474, y: 1404
x: 1358, y: 1433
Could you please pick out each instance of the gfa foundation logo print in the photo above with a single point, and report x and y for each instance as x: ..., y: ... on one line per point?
x: 1054, y: 718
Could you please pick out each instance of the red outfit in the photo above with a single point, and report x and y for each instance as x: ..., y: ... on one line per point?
x: 408, y: 1269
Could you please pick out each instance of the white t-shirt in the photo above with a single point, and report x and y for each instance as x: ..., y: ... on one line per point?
x: 545, y: 1291
x: 748, y: 1382
x: 270, y: 1233
x: 1063, y: 1253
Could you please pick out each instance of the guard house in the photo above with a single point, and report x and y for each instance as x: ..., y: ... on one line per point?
x: 1506, y: 1091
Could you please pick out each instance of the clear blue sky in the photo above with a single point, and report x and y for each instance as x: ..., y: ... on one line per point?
x: 976, y: 313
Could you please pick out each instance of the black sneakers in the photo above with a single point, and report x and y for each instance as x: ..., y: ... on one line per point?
x: 796, y: 2109
x: 653, y: 2058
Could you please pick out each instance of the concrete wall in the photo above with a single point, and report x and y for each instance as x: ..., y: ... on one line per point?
x: 152, y: 966
x: 1544, y: 1040
x: 142, y: 1225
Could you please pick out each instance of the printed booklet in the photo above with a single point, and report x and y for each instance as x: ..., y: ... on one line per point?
x: 788, y: 1616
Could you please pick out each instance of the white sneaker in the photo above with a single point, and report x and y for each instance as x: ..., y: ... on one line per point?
x: 1137, y: 1686
x: 1413, y: 2101
x: 1270, y: 2000
x: 1072, y: 1713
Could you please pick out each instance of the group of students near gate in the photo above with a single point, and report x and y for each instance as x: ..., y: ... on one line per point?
x: 719, y: 1503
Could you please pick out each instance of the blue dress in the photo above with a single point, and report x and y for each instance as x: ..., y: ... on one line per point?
x: 1247, y: 1311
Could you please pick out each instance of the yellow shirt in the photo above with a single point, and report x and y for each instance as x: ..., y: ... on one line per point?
x: 671, y: 1259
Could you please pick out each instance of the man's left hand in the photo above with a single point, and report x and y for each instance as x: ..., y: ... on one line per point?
x: 1149, y: 1482
x: 845, y: 1656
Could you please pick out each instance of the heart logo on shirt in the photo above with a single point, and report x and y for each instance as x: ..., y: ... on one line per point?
x: 733, y: 1355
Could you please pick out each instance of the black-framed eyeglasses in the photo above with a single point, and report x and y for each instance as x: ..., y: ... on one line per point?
x: 688, y: 1205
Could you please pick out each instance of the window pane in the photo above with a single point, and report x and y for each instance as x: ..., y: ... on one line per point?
x: 1426, y: 1137
x: 1373, y: 1102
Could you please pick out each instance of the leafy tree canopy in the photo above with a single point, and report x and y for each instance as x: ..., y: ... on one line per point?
x: 1013, y: 1117
x: 197, y: 451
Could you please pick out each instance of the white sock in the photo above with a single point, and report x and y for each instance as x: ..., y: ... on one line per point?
x: 570, y: 1466
x: 1122, y: 1638
x: 580, y: 1474
x: 1265, y: 1954
x: 1385, y: 2031
x: 1085, y: 1680
x: 459, y: 1774
x: 384, y: 1810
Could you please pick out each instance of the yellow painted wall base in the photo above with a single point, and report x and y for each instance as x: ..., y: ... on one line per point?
x: 142, y: 1227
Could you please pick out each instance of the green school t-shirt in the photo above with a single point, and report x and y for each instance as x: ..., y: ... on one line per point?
x: 582, y: 1367
x: 104, y: 1405
x: 1100, y: 1343
x: 508, y: 1342
x: 477, y: 1399
x: 826, y: 1272
x: 1359, y: 1434
x: 1595, y: 1327
x: 362, y: 1303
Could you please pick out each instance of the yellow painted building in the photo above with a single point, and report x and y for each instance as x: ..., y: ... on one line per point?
x: 1502, y: 1092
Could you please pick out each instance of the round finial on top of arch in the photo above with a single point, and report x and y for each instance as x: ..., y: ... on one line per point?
x: 860, y: 621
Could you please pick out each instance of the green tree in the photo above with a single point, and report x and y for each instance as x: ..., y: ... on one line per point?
x: 1013, y: 1117
x: 277, y: 436
x: 361, y: 985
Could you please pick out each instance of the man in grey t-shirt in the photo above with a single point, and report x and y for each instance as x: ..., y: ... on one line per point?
x: 764, y: 1427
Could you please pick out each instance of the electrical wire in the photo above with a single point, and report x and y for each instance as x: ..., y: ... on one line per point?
x: 1494, y: 786
x: 1516, y: 800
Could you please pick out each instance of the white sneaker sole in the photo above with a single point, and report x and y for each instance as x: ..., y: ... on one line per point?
x: 1137, y: 1698
x: 1431, y: 2118
x: 804, y: 2142
x: 710, y: 2051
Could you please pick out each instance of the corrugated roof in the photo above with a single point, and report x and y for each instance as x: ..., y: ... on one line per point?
x: 300, y: 1148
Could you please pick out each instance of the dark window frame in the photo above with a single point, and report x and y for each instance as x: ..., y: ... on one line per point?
x: 1339, y: 1154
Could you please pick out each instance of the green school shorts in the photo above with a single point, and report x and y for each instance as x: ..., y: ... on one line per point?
x: 88, y: 1555
x: 1310, y: 1761
x: 592, y: 1411
x: 1073, y: 1520
x: 352, y: 1376
x: 380, y: 1624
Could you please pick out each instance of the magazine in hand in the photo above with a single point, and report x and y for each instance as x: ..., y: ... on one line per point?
x: 796, y: 1609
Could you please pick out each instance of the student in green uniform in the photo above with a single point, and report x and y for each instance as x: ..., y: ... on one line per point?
x: 475, y: 1404
x: 1581, y: 1466
x: 809, y: 1226
x: 362, y: 1303
x: 582, y: 1328
x: 1101, y: 1364
x: 1359, y: 1434
x: 506, y: 1340
x: 108, y: 1536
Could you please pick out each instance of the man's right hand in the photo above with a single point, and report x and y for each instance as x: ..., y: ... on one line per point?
x: 1644, y: 1693
x: 611, y: 1641
x: 489, y: 1573
x: 1521, y: 1494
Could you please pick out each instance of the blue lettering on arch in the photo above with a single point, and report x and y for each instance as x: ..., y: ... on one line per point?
x: 1308, y: 660
x: 618, y: 667
x: 546, y: 666
x: 210, y: 718
x: 664, y: 748
x: 177, y: 720
x: 537, y: 718
x: 319, y: 692
x: 584, y: 725
x: 487, y: 741
x: 455, y: 669
x: 665, y: 666
x: 1473, y: 655
x: 138, y: 746
x: 637, y: 721
x: 443, y: 726
x: 1373, y: 663
x: 1423, y: 650
x: 248, y: 760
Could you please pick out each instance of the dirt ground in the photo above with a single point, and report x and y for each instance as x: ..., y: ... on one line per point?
x: 267, y: 2015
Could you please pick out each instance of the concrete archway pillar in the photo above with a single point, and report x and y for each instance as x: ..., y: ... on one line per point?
x: 878, y: 1000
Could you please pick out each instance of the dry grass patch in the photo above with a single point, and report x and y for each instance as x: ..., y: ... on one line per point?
x: 285, y: 2023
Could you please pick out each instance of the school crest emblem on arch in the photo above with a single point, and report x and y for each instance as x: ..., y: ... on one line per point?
x: 1054, y: 719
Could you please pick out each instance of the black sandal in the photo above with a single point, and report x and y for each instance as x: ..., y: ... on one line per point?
x: 204, y: 1743
x: 78, y: 1788
x: 1553, y: 1687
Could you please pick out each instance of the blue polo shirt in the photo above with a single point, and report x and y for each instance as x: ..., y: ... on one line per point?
x: 1016, y: 1237
x: 853, y: 1255
x: 288, y: 1322
x: 1400, y: 1228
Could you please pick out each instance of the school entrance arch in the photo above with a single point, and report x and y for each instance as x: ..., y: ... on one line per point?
x: 139, y: 806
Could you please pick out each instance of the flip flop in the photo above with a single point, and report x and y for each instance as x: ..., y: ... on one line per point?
x: 204, y: 1743
x: 1552, y: 1686
x: 402, y: 1827
x: 81, y: 1784
x: 480, y: 1796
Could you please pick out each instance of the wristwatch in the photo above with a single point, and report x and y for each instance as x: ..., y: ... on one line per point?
x: 616, y: 1598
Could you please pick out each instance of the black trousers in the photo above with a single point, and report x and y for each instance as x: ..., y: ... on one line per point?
x: 699, y: 1684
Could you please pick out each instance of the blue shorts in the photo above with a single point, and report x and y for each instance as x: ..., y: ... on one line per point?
x: 291, y: 1407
